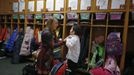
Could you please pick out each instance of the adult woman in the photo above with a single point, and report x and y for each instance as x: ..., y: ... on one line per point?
x: 45, y: 57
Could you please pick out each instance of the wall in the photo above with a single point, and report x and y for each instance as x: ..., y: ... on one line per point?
x: 5, y: 6
x: 130, y: 42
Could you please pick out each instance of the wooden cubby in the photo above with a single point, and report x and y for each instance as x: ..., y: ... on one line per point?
x: 95, y: 26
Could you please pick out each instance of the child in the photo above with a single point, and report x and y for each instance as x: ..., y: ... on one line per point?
x: 73, y: 44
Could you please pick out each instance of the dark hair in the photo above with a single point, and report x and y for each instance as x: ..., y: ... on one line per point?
x: 76, y: 29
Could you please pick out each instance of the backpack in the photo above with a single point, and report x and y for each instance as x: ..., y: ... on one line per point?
x: 113, y: 44
x: 15, y: 58
x: 55, y: 68
x: 62, y: 70
x: 10, y: 42
x: 112, y: 66
x: 99, y: 71
x: 29, y: 69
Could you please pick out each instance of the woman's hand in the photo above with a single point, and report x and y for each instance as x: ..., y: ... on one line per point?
x: 60, y: 42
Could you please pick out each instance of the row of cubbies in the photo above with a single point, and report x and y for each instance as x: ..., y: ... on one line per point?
x: 94, y: 15
x: 99, y: 19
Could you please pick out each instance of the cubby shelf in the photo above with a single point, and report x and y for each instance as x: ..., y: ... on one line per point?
x: 90, y: 23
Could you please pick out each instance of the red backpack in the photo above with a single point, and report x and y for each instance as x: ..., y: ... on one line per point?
x: 1, y: 34
x: 62, y: 69
x: 5, y: 31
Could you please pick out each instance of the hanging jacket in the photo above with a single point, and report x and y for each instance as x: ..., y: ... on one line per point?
x: 25, y: 47
x: 5, y: 33
x: 98, y: 55
x: 84, y: 45
x: 1, y: 29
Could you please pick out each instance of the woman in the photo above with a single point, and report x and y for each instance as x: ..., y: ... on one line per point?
x: 45, y: 57
x: 73, y: 44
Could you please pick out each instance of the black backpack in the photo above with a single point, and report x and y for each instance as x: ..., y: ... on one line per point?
x: 29, y: 69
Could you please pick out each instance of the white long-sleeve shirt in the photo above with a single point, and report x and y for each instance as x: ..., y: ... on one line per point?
x: 73, y: 44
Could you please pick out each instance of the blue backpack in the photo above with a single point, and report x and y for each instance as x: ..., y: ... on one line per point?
x: 10, y: 42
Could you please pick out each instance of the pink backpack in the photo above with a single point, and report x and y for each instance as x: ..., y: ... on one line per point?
x: 112, y: 66
x: 99, y: 71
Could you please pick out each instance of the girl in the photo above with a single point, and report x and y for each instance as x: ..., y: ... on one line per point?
x: 73, y: 44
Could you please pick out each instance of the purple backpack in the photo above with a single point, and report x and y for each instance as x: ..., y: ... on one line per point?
x: 113, y: 44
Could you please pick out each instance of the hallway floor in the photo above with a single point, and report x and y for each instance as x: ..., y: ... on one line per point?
x: 7, y: 68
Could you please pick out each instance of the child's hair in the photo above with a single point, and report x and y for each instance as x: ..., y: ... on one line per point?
x: 76, y: 29
x: 50, y: 22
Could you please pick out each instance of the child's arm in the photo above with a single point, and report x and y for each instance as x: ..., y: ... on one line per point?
x: 70, y: 41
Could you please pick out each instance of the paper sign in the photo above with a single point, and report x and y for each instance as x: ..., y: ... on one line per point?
x: 30, y: 16
x: 31, y: 6
x: 85, y: 4
x: 72, y: 16
x: 40, y: 5
x: 22, y: 16
x: 15, y: 6
x: 115, y: 15
x: 21, y: 0
x: 21, y: 6
x: 58, y: 16
x: 50, y: 5
x: 116, y: 4
x: 38, y: 16
x: 59, y: 4
x: 47, y: 16
x: 73, y: 4
x: 84, y: 16
x: 15, y: 16
x: 103, y: 4
x: 100, y: 16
